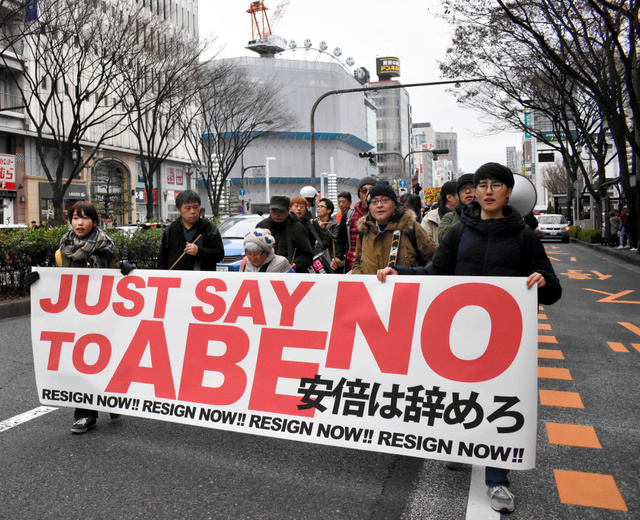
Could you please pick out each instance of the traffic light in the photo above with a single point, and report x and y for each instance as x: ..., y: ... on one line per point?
x: 369, y: 155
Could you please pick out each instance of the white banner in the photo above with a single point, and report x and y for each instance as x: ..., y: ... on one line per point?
x: 425, y: 366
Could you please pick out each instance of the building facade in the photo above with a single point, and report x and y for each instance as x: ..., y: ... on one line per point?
x: 279, y: 162
x: 111, y: 179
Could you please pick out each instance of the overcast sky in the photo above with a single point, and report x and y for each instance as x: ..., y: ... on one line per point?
x: 364, y: 30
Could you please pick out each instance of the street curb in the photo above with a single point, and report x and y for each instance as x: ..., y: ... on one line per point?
x: 15, y: 308
x: 621, y: 254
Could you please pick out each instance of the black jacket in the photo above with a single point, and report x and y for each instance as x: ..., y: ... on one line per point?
x: 291, y: 239
x: 210, y: 247
x: 492, y: 247
x: 324, y: 236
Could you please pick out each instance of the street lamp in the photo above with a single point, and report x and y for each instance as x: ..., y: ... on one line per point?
x: 457, y: 83
x: 266, y: 170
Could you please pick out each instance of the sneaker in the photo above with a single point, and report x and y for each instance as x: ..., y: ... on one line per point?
x: 633, y: 249
x: 620, y: 247
x: 501, y: 499
x: 115, y: 415
x: 83, y: 425
x: 453, y: 465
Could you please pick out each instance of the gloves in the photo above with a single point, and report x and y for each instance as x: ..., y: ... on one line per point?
x: 126, y: 268
x: 31, y: 278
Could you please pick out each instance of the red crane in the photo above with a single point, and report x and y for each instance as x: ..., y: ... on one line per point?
x: 260, y: 26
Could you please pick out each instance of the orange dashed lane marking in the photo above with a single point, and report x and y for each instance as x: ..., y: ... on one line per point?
x: 573, y: 435
x: 544, y: 326
x: 636, y: 346
x: 588, y: 489
x: 617, y: 347
x: 554, y: 373
x: 631, y: 327
x: 546, y: 339
x: 563, y: 399
x: 550, y: 354
x: 542, y: 316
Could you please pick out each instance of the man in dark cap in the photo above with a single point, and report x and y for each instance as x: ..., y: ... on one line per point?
x: 347, y: 231
x: 291, y: 237
x: 389, y: 234
x: 448, y: 201
x: 466, y: 193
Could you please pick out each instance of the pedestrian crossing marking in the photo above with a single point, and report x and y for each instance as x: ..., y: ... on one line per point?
x: 547, y: 339
x: 573, y: 435
x: 561, y: 399
x: 588, y: 489
x: 544, y: 326
x: 617, y: 347
x: 550, y: 354
x: 542, y: 316
x: 554, y: 373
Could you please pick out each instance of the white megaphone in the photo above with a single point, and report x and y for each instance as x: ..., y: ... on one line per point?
x: 524, y: 195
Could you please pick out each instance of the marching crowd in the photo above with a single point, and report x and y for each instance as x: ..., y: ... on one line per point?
x: 472, y: 232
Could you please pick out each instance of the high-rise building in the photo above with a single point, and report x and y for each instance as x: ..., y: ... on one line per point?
x: 424, y: 138
x: 449, y: 140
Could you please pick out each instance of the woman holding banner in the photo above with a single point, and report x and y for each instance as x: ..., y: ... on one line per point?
x: 491, y: 239
x: 87, y: 245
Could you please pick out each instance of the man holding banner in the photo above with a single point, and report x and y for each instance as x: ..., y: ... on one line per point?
x: 492, y: 240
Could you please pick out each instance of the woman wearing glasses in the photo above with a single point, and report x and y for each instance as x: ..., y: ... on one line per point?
x: 259, y: 254
x: 492, y: 240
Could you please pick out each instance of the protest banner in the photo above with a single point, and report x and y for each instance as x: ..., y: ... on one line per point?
x: 432, y: 367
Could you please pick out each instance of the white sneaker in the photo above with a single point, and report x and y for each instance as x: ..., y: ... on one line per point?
x: 502, y: 500
x: 620, y: 247
x: 633, y: 249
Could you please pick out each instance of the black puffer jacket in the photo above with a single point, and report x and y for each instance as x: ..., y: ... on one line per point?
x: 492, y: 247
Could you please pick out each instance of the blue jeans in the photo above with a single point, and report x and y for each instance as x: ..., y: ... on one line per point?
x: 496, y: 477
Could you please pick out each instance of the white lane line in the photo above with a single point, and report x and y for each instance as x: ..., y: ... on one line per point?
x: 24, y: 417
x: 478, y: 505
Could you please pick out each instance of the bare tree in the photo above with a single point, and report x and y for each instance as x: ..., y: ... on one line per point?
x: 235, y: 110
x: 583, y: 52
x: 555, y: 177
x: 161, y: 86
x: 69, y: 85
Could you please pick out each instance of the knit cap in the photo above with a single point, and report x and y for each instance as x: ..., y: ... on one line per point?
x: 383, y: 189
x: 262, y: 237
x: 366, y: 180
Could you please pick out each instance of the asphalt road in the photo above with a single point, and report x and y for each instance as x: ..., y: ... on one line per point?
x: 588, y: 439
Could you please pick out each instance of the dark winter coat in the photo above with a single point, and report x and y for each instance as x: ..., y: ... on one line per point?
x: 210, y: 247
x: 492, y: 247
x: 291, y: 238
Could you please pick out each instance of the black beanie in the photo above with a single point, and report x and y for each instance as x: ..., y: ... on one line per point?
x: 382, y: 188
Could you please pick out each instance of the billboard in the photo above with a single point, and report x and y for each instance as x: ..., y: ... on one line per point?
x: 7, y: 172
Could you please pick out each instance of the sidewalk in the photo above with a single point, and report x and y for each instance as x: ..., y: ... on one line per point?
x: 22, y: 306
x: 626, y: 255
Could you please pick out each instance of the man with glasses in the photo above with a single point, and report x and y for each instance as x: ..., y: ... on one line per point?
x: 466, y: 193
x: 325, y: 219
x: 389, y: 234
x: 347, y: 231
x: 491, y: 239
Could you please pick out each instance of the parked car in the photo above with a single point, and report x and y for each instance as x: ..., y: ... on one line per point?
x: 233, y: 231
x: 553, y: 226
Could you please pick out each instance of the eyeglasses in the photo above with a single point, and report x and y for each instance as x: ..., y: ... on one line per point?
x: 254, y: 254
x: 319, y: 206
x: 298, y: 205
x: 364, y: 190
x: 495, y: 187
x: 380, y: 202
x: 468, y: 187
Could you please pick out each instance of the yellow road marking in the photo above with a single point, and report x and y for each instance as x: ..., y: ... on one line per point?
x: 631, y: 327
x: 617, y: 347
x: 611, y: 297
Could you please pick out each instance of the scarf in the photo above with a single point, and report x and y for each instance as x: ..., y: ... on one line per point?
x: 358, y: 213
x: 94, y: 248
